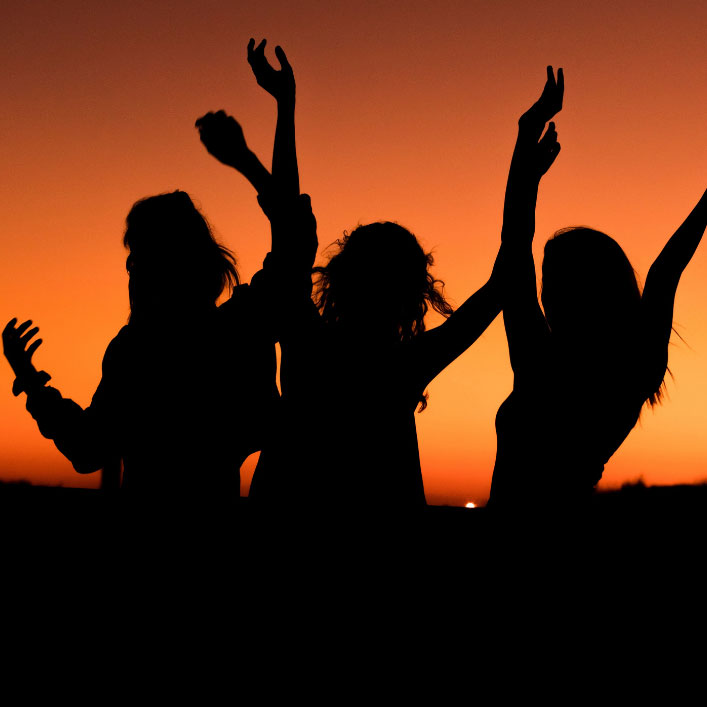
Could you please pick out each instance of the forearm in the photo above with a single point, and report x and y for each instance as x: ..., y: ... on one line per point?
x: 521, y: 196
x: 285, y: 171
x: 523, y: 320
x: 679, y: 250
x: 256, y: 173
x: 440, y: 346
x: 69, y: 426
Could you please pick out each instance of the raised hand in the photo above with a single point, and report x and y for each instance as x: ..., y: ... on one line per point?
x: 223, y: 138
x: 550, y: 101
x: 19, y: 355
x: 280, y: 84
x: 546, y: 150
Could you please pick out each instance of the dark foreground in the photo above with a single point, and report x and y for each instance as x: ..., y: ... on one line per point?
x: 635, y: 511
x: 628, y: 551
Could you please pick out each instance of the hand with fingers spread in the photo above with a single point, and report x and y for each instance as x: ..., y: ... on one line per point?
x: 15, y: 340
x: 279, y: 84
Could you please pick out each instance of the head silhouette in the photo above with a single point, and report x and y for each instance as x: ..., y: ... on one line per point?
x: 174, y: 263
x: 589, y: 288
x: 379, y: 279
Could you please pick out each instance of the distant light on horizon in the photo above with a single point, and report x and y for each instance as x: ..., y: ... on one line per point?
x: 470, y: 505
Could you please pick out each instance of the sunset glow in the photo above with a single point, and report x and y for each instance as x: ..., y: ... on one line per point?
x: 407, y: 115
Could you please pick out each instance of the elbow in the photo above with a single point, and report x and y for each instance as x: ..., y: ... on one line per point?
x: 85, y: 467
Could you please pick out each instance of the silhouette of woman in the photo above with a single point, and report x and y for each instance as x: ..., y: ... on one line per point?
x: 356, y: 361
x: 584, y: 368
x: 186, y: 386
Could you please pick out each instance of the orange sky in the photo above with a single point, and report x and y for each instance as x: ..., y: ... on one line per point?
x: 407, y: 112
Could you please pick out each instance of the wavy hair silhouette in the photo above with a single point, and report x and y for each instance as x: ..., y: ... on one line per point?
x: 396, y: 288
x: 381, y: 274
x: 172, y: 249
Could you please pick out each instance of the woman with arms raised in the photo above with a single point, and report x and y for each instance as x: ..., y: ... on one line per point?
x: 357, y: 360
x: 584, y: 369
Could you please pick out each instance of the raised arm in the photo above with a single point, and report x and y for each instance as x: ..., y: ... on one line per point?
x: 277, y: 193
x: 223, y: 137
x: 526, y: 328
x: 281, y: 85
x: 437, y: 348
x: 664, y: 275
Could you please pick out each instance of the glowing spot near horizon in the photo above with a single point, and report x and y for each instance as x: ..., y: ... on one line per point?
x: 470, y: 505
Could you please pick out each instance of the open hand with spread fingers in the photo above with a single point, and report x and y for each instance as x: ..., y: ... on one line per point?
x: 279, y: 84
x: 15, y: 340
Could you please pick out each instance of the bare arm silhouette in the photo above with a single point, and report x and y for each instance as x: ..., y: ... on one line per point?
x: 526, y: 328
x: 664, y: 276
x: 223, y: 137
x: 437, y: 348
x: 80, y: 435
x: 281, y: 85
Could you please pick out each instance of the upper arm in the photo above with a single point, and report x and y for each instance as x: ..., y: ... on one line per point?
x: 526, y: 328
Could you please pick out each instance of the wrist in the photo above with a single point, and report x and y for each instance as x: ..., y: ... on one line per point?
x: 245, y: 162
x: 30, y: 382
x: 286, y: 103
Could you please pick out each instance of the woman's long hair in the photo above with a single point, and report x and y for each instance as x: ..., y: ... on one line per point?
x: 173, y: 250
x: 591, y: 290
x: 380, y: 268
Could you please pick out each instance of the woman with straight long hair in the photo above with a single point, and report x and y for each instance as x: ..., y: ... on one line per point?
x: 187, y: 384
x: 585, y: 367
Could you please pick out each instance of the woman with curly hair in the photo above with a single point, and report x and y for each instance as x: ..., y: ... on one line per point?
x: 355, y: 361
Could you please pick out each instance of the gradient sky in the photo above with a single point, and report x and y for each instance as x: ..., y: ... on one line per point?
x: 406, y: 112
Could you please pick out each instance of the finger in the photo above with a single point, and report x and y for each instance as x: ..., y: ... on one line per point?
x: 282, y: 58
x: 24, y: 339
x: 33, y: 347
x: 9, y: 327
x: 204, y: 119
x: 548, y: 141
x: 561, y: 84
x: 251, y: 44
x: 550, y: 76
x: 20, y: 329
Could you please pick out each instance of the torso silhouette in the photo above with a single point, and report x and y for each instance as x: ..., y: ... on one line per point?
x: 182, y: 402
x: 348, y: 436
x: 565, y: 418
